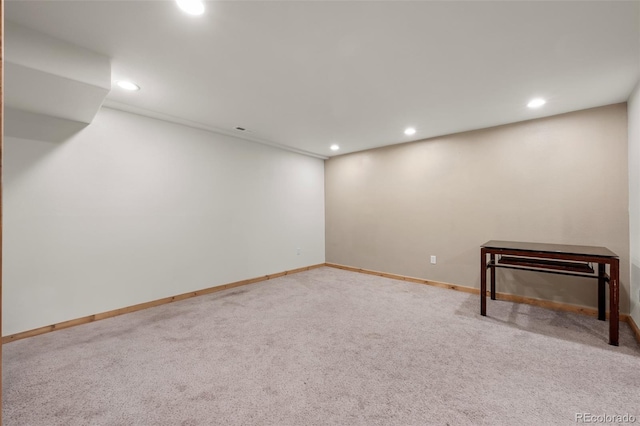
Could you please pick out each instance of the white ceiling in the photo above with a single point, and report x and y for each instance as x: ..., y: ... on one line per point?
x: 308, y: 74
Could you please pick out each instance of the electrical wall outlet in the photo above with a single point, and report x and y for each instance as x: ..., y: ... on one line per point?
x: 433, y: 260
x: 298, y: 251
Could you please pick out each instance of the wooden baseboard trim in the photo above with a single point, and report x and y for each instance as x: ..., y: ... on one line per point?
x: 558, y: 306
x: 500, y: 296
x: 406, y: 278
x: 151, y: 304
x: 634, y: 328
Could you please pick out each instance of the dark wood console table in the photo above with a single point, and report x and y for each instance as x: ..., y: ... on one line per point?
x: 556, y: 259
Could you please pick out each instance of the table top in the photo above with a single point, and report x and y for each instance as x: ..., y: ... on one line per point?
x: 550, y: 248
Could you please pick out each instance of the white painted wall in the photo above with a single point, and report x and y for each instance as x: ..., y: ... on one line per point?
x: 39, y: 51
x: 634, y: 200
x: 45, y: 75
x: 131, y: 209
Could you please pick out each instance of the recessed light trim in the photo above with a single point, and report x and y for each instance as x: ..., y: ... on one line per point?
x: 334, y: 147
x: 536, y: 103
x: 192, y: 7
x: 127, y: 85
x: 409, y: 131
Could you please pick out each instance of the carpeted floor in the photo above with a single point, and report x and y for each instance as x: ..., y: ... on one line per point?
x: 324, y: 347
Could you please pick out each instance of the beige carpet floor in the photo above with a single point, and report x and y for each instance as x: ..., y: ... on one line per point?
x: 324, y: 347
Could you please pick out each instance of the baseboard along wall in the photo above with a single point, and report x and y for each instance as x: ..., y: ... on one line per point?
x: 151, y: 304
x: 500, y: 296
x: 635, y: 328
x: 558, y: 306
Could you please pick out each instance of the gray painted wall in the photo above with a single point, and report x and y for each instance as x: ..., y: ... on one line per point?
x: 562, y: 179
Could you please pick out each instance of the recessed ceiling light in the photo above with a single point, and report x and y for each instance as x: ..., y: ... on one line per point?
x: 409, y: 131
x: 127, y: 85
x: 536, y: 103
x: 334, y: 147
x: 192, y: 7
